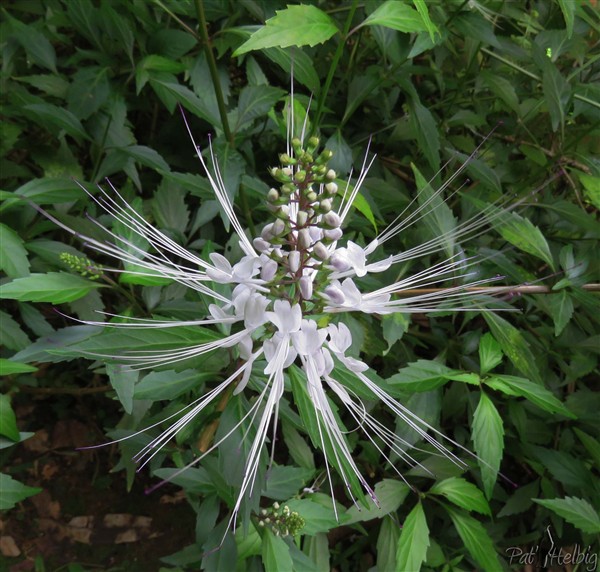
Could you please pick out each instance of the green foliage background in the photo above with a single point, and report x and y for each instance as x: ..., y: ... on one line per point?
x: 92, y: 89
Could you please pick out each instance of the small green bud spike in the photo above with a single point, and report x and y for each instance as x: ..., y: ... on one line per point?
x: 297, y: 146
x: 324, y: 157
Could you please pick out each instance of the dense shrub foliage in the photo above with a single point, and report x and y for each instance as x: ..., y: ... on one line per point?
x: 93, y: 90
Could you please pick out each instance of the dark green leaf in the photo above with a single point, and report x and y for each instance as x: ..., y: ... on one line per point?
x: 561, y: 307
x: 275, y: 553
x: 8, y: 421
x: 255, y: 101
x: 57, y: 117
x: 390, y: 495
x: 283, y: 482
x: 13, y: 256
x: 37, y: 46
x: 47, y: 191
x: 557, y: 93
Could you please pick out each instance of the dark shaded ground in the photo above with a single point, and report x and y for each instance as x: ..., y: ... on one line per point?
x: 85, y: 514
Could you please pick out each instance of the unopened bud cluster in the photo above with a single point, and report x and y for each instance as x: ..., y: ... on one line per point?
x: 82, y: 265
x: 281, y: 520
x: 305, y: 225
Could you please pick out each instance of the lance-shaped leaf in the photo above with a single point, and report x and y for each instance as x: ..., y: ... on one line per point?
x: 578, y: 512
x: 14, y: 492
x: 414, y: 541
x: 462, y: 493
x: 398, y: 16
x: 54, y: 287
x: 295, y: 26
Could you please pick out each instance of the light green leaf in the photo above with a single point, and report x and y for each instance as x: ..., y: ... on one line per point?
x: 317, y: 517
x: 295, y: 26
x: 13, y: 256
x: 8, y: 421
x: 414, y: 541
x: 591, y: 184
x: 463, y: 494
x: 50, y: 191
x: 53, y: 287
x: 9, y: 367
x: 423, y: 10
x: 579, y: 512
x: 58, y: 117
x: 425, y: 375
x: 397, y: 16
x: 275, y: 553
x: 387, y: 545
x: 514, y: 345
x: 488, y: 437
x: 476, y: 540
x: 534, y: 392
x: 490, y: 353
x: 14, y: 492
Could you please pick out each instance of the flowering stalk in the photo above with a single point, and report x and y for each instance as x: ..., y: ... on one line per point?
x: 284, y: 311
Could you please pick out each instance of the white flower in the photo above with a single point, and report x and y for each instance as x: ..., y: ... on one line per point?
x: 287, y: 279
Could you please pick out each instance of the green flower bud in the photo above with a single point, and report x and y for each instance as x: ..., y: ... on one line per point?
x: 300, y: 176
x: 331, y: 175
x: 272, y: 195
x: 311, y: 196
x: 324, y: 157
x: 312, y: 144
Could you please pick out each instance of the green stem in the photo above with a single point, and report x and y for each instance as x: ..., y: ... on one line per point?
x: 332, y: 68
x: 534, y: 76
x: 214, y: 74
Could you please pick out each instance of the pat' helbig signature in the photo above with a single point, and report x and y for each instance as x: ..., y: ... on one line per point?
x: 586, y: 558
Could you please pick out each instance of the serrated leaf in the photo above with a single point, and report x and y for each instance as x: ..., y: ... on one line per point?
x: 295, y: 26
x: 8, y: 421
x: 53, y: 287
x: 146, y: 156
x: 592, y: 445
x: 13, y: 492
x: 169, y: 208
x: 490, y: 353
x: 534, y: 392
x: 414, y: 541
x: 11, y: 334
x: 317, y: 517
x: 123, y: 381
x: 579, y: 512
x: 13, y: 256
x: 565, y: 468
x: 169, y: 384
x: 502, y: 88
x: 514, y: 345
x: 304, y: 69
x: 387, y: 543
x: 9, y: 367
x: 425, y: 375
x: 426, y: 132
x: 88, y: 92
x: 488, y: 437
x: 187, y: 98
x: 36, y: 45
x: 255, y: 101
x: 390, y: 495
x: 50, y: 191
x: 275, y: 553
x: 561, y: 308
x: 463, y: 494
x: 476, y: 540
x: 397, y: 16
x: 283, y: 481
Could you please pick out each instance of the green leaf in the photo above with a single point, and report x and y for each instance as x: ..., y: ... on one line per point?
x: 38, y: 47
x: 123, y: 381
x: 568, y: 9
x: 390, y: 495
x: 146, y: 156
x: 13, y: 256
x: 8, y: 421
x: 561, y: 308
x: 304, y: 69
x: 169, y: 208
x: 566, y: 468
x: 557, y: 94
x: 579, y: 512
x: 11, y: 334
x: 283, y: 481
x: 57, y: 117
x: 275, y: 553
x: 414, y: 541
x: 538, y: 394
x: 476, y: 540
x: 592, y: 445
x: 169, y: 384
x: 53, y: 287
x: 295, y: 26
x: 490, y: 353
x: 423, y: 10
x: 463, y: 494
x: 88, y: 92
x: 9, y: 367
x: 503, y: 88
x: 425, y: 375
x: 255, y: 101
x: 317, y: 517
x: 50, y: 191
x: 14, y: 492
x: 488, y: 437
x: 514, y: 345
x: 591, y: 185
x: 387, y: 545
x: 397, y: 16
